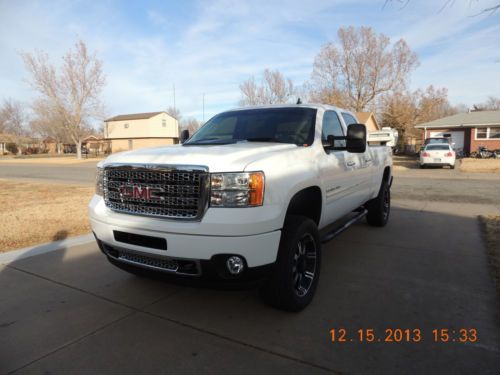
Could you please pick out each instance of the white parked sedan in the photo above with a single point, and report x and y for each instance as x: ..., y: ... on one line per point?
x: 437, y: 155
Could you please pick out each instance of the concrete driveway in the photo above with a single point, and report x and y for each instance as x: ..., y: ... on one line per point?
x: 69, y: 311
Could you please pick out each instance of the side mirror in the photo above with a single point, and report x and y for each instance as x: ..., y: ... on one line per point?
x: 184, y: 136
x: 356, y: 138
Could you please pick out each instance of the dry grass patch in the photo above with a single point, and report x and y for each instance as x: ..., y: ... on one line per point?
x: 480, y: 165
x: 39, y: 213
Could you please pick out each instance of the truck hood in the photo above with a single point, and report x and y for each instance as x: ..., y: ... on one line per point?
x: 218, y: 158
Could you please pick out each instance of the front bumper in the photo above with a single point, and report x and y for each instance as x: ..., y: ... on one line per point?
x: 201, y: 241
x: 257, y: 250
x: 213, y: 271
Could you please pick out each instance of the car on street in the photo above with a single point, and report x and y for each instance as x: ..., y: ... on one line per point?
x: 437, y: 155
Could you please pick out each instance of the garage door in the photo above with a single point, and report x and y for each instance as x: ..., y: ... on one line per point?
x: 457, y: 138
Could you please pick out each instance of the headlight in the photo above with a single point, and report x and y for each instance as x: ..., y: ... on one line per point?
x: 99, y: 181
x: 237, y: 189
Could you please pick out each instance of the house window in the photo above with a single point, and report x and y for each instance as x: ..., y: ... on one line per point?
x: 164, y: 123
x: 481, y: 133
x: 488, y: 133
x: 125, y: 125
x: 494, y: 133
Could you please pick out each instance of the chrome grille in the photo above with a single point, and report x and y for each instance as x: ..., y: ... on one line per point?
x: 165, y: 264
x: 176, y: 192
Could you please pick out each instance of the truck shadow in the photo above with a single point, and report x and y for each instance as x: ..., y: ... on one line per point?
x: 424, y: 270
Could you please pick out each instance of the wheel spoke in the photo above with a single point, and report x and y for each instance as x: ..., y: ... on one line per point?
x: 302, y: 290
x: 309, y: 275
x: 304, y: 264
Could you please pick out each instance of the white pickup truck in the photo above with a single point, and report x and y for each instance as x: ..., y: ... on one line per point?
x: 244, y: 198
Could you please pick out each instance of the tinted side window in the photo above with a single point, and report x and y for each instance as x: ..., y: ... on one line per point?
x: 349, y: 119
x: 332, y: 126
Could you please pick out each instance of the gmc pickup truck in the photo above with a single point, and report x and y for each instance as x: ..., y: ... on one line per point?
x: 243, y: 199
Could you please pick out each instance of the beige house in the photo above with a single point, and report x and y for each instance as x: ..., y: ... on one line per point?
x: 368, y: 118
x: 139, y: 130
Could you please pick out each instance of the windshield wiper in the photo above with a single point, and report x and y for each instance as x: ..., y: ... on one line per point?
x: 263, y: 139
x: 211, y: 141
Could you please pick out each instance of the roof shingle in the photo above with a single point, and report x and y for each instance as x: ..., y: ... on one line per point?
x: 464, y: 119
x: 134, y: 116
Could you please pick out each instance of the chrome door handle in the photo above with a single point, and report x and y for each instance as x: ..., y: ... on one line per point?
x: 351, y: 163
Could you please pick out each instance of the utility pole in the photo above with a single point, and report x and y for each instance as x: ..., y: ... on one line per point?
x: 174, y: 97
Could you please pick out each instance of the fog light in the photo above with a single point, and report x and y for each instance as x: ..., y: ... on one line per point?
x: 235, y: 265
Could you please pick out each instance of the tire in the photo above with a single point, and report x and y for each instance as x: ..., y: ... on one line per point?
x: 379, y: 208
x: 295, y: 277
x: 452, y: 166
x: 422, y: 166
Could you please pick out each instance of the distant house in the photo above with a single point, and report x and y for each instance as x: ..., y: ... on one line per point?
x: 96, y: 145
x: 368, y: 118
x: 467, y: 131
x: 138, y: 130
x: 4, y: 140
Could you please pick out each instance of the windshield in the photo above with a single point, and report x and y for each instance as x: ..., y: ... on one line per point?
x: 437, y: 147
x: 278, y: 125
x: 437, y: 140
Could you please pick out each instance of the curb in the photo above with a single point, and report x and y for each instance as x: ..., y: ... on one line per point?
x: 30, y: 251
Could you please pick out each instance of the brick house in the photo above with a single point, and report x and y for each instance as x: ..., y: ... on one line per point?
x: 468, y: 131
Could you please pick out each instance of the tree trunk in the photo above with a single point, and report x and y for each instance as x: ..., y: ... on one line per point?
x: 79, y: 149
x: 59, y: 149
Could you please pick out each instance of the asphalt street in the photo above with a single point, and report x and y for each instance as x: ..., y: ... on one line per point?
x: 83, y: 173
x: 69, y: 311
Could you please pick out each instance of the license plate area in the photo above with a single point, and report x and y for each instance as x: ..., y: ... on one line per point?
x: 140, y: 240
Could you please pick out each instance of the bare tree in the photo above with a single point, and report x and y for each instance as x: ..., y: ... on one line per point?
x: 175, y: 113
x: 73, y: 91
x: 448, y: 3
x: 403, y: 110
x: 400, y: 111
x: 433, y: 104
x: 13, y: 118
x: 359, y: 68
x: 48, y: 123
x: 191, y: 124
x: 249, y: 92
x: 492, y: 104
x: 274, y: 89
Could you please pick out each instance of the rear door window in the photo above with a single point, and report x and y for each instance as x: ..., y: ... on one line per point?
x: 348, y: 119
x: 332, y: 126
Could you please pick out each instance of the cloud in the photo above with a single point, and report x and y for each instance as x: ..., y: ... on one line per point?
x: 208, y: 48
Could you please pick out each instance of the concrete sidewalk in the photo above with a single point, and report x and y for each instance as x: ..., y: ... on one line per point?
x: 69, y: 311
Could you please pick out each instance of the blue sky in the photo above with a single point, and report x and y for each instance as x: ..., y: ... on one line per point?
x: 209, y: 47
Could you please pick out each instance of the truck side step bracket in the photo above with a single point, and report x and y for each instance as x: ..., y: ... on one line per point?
x: 360, y: 213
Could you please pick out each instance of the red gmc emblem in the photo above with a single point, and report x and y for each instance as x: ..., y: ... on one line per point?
x: 138, y: 192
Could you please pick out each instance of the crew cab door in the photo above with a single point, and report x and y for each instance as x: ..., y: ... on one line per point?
x: 362, y: 168
x: 336, y: 172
